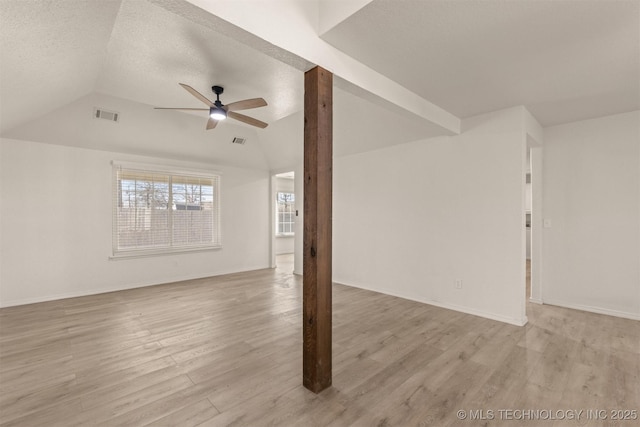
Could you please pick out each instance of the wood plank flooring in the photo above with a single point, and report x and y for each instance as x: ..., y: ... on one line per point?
x: 227, y: 351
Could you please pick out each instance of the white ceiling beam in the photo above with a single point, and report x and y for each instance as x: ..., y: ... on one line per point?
x: 288, y: 30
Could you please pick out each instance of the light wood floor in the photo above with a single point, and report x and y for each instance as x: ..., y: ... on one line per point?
x: 227, y: 351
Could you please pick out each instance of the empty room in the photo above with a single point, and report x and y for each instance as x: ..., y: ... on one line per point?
x: 319, y: 213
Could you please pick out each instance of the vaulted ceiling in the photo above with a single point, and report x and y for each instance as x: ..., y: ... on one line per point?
x: 404, y: 69
x: 563, y: 60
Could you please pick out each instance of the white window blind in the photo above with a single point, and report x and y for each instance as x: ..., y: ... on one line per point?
x: 157, y: 211
x: 285, y: 221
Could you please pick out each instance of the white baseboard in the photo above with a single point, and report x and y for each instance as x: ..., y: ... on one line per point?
x: 479, y: 313
x: 536, y: 301
x: 97, y: 291
x: 466, y: 310
x: 591, y: 309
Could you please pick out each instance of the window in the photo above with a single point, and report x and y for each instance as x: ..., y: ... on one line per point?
x: 286, y: 214
x: 157, y: 211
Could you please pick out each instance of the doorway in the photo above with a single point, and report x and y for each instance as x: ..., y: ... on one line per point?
x: 284, y: 219
x: 528, y: 209
x: 535, y: 224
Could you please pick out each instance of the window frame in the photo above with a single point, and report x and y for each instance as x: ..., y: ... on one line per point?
x: 293, y: 211
x: 122, y: 253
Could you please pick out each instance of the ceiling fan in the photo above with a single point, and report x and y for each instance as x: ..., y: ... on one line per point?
x: 218, y: 111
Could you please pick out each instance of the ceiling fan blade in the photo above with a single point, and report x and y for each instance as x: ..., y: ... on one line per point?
x: 246, y: 104
x: 246, y: 119
x: 180, y: 108
x: 211, y: 123
x: 197, y: 94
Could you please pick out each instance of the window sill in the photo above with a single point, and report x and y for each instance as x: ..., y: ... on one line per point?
x: 285, y: 235
x: 146, y: 253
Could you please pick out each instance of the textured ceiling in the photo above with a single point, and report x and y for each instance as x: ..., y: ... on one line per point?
x: 62, y: 59
x: 563, y: 60
x: 152, y: 49
x: 54, y: 52
x: 50, y: 54
x: 140, y: 131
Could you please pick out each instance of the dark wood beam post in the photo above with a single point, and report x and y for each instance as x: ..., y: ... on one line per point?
x: 318, y: 164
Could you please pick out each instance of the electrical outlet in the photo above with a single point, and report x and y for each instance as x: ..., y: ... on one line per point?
x: 458, y: 283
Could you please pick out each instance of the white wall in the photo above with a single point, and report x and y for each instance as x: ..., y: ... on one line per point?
x: 284, y: 244
x: 410, y: 220
x: 591, y: 252
x: 283, y: 141
x: 56, y: 225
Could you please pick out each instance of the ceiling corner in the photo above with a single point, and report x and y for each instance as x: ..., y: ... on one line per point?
x: 333, y: 12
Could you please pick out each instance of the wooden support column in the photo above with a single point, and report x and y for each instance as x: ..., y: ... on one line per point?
x: 318, y: 164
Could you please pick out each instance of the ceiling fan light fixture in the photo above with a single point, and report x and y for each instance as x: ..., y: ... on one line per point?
x: 217, y: 113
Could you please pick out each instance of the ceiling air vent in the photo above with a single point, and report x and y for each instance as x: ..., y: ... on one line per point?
x: 99, y: 113
x: 239, y: 140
